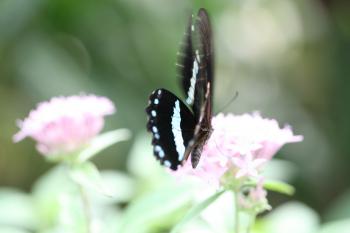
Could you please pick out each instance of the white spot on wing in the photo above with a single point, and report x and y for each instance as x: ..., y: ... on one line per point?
x: 190, y: 92
x: 197, y: 55
x: 154, y: 129
x: 161, y: 154
x: 156, y: 101
x: 167, y: 163
x: 179, y: 65
x: 159, y: 151
x: 176, y: 129
x: 153, y: 113
x: 157, y: 148
x: 159, y: 92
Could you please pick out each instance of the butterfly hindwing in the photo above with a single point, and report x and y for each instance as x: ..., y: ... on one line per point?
x: 172, y: 126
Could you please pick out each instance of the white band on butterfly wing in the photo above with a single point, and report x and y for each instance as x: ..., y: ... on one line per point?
x: 190, y: 92
x: 176, y: 129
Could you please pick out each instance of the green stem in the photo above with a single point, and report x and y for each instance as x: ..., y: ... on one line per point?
x: 84, y: 201
x: 251, y: 223
x: 235, y: 193
x: 87, y: 208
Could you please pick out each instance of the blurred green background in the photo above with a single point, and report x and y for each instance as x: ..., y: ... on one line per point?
x: 286, y: 59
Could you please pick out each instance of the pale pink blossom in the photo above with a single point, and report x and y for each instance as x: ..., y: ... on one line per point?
x: 65, y: 124
x: 240, y: 144
x: 256, y: 198
x: 247, y: 165
x: 258, y: 193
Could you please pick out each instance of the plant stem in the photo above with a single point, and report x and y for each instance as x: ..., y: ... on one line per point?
x: 84, y: 199
x: 87, y: 208
x: 251, y: 223
x: 235, y: 193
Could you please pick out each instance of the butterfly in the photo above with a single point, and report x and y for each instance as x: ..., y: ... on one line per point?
x: 178, y: 129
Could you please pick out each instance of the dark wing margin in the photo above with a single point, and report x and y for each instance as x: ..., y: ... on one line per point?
x: 172, y: 126
x: 205, y: 36
x: 205, y: 56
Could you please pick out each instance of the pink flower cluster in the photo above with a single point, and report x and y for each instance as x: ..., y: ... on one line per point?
x: 241, y: 144
x: 65, y: 124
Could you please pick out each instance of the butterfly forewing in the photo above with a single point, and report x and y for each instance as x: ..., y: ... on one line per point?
x: 204, y: 85
x: 172, y: 125
x: 195, y: 61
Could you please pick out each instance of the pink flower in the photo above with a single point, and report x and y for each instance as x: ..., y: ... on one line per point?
x: 240, y: 144
x: 258, y: 193
x: 65, y: 124
x: 255, y: 199
x: 247, y: 165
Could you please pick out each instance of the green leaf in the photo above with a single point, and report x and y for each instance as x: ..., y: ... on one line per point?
x: 25, y: 10
x: 341, y: 226
x: 119, y: 186
x: 152, y: 175
x: 278, y: 169
x: 12, y: 230
x: 158, y: 208
x: 219, y: 215
x: 47, y: 192
x: 17, y: 209
x: 103, y: 141
x: 141, y: 153
x: 88, y: 176
x: 279, y: 186
x: 195, y: 211
x: 339, y: 208
x: 291, y: 217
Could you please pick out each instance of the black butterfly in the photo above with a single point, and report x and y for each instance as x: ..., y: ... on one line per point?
x: 177, y: 130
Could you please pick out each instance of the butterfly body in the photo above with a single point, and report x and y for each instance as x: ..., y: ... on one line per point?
x: 181, y: 128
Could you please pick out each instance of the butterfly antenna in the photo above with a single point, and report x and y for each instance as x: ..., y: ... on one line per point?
x: 218, y: 148
x: 228, y: 103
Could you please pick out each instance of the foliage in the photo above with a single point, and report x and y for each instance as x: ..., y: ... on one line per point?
x: 120, y: 204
